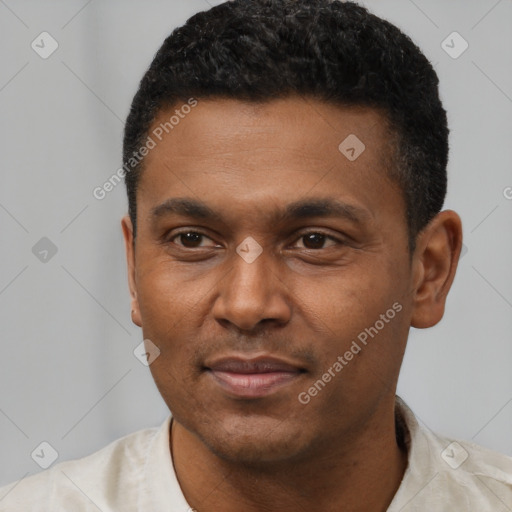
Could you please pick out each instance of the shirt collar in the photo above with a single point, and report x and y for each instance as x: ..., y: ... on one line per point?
x: 159, y: 487
x: 428, y: 481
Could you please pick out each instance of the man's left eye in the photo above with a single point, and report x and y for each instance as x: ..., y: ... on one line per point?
x: 316, y: 240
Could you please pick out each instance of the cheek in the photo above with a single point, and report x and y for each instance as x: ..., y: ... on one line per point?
x: 169, y: 313
x: 343, y: 302
x: 164, y: 295
x: 360, y: 313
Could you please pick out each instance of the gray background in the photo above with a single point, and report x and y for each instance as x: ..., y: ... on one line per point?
x: 67, y: 369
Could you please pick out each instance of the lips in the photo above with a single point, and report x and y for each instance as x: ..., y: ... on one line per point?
x: 253, y: 377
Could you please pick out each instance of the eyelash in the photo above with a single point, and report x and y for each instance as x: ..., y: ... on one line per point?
x: 301, y: 235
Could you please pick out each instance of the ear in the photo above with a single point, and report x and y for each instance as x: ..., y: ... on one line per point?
x: 126, y: 224
x: 435, y: 262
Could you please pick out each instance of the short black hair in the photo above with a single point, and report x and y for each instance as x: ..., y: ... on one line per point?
x: 260, y: 50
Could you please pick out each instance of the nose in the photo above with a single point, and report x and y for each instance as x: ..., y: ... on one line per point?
x: 252, y: 294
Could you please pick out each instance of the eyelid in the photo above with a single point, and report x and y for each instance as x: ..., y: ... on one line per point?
x: 300, y: 234
x: 182, y: 231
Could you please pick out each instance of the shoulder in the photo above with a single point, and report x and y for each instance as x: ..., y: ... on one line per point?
x: 446, y: 472
x: 92, y: 481
x: 481, y: 473
x: 460, y: 457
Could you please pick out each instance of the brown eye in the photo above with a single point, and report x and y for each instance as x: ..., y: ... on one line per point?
x: 190, y: 239
x: 316, y: 240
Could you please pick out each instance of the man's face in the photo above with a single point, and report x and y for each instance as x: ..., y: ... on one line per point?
x: 244, y: 336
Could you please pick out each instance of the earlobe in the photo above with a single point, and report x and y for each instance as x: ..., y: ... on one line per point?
x: 127, y: 228
x: 136, y: 317
x: 435, y: 261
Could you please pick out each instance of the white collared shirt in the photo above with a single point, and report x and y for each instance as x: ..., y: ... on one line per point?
x: 444, y: 475
x: 135, y: 474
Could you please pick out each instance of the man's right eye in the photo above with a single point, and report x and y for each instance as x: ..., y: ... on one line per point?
x: 190, y: 239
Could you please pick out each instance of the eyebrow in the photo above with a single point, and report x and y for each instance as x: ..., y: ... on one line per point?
x: 302, y: 209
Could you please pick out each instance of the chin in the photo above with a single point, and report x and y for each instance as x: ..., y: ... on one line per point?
x: 254, y: 440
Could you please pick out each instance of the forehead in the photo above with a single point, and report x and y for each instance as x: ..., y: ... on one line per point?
x: 260, y: 154
x: 293, y: 121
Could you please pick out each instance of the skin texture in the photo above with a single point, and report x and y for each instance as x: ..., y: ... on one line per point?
x: 302, y: 301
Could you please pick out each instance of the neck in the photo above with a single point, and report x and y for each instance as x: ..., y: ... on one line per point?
x: 360, y: 475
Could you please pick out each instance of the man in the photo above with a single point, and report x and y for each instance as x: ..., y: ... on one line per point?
x: 285, y: 162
